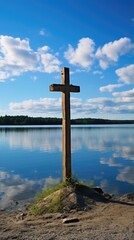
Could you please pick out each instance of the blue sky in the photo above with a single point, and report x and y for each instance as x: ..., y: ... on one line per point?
x: 94, y: 38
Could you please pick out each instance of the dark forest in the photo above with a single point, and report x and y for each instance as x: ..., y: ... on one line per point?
x: 26, y: 120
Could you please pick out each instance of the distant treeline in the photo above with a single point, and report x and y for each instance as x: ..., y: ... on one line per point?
x: 25, y: 120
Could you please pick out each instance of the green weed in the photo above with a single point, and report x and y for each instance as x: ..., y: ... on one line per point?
x: 55, y: 203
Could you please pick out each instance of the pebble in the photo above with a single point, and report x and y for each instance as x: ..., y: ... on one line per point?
x: 70, y: 220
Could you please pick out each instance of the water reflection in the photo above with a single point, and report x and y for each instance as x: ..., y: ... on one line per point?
x: 48, y: 139
x: 110, y: 162
x: 126, y: 152
x: 120, y: 140
x: 104, y: 139
x: 13, y: 187
x: 102, y: 154
x: 126, y: 175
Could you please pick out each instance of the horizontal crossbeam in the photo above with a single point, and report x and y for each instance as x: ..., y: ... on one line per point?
x: 63, y: 88
x: 57, y: 88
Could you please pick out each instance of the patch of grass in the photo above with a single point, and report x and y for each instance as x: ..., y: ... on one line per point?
x: 54, y: 205
x: 34, y: 210
x: 91, y: 184
x: 41, y: 195
x: 55, y: 202
x: 72, y: 181
x: 69, y: 182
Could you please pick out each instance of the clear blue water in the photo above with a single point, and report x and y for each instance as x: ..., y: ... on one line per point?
x: 31, y: 158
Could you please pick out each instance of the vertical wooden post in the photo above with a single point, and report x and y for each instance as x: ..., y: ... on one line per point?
x: 66, y: 133
x: 65, y: 88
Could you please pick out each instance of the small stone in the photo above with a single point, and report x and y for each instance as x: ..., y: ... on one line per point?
x: 20, y: 216
x: 98, y: 189
x: 2, y: 209
x: 130, y: 196
x: 107, y: 195
x: 70, y: 220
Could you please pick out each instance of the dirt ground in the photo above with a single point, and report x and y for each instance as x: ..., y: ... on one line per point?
x: 113, y: 220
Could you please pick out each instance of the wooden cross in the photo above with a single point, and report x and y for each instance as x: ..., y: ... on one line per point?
x: 65, y: 88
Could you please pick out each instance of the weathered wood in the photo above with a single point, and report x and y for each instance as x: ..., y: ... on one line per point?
x: 73, y: 88
x: 65, y: 88
x: 57, y: 88
x: 66, y: 129
x: 61, y: 88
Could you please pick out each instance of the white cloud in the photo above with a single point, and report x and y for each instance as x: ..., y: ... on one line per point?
x: 111, y: 51
x: 48, y: 106
x: 124, y: 100
x: 49, y: 62
x: 83, y: 54
x: 76, y: 102
x: 111, y: 101
x: 34, y: 78
x: 112, y: 105
x: 126, y: 74
x: 110, y: 87
x: 42, y: 32
x: 97, y: 72
x: 43, y: 105
x: 3, y: 75
x: 17, y: 57
x: 129, y: 93
x: 124, y: 109
x: 52, y: 106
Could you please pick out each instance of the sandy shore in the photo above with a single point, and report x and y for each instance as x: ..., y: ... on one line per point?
x: 113, y: 220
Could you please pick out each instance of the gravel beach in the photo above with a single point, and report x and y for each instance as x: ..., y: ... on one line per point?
x: 113, y: 220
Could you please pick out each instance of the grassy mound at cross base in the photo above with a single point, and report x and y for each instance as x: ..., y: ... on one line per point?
x: 66, y: 197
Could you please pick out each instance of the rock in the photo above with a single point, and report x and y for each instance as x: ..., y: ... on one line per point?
x: 107, y: 195
x: 98, y: 189
x: 20, y: 216
x: 2, y: 209
x: 130, y: 196
x: 91, y: 193
x: 127, y: 197
x: 70, y: 220
x: 14, y: 202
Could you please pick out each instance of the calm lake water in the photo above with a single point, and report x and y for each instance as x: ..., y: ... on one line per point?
x: 31, y: 158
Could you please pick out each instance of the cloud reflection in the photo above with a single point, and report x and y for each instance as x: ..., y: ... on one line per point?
x: 13, y: 187
x: 110, y: 162
x: 101, y: 139
x: 126, y: 152
x: 126, y: 175
x: 47, y: 140
x: 109, y: 146
x: 108, y: 187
